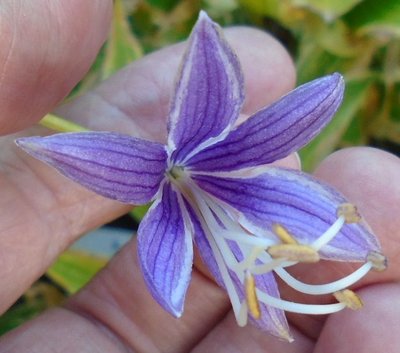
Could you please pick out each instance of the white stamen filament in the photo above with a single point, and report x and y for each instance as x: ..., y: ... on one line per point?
x: 236, y: 233
x: 240, y: 237
x: 216, y: 230
x: 243, y: 315
x: 207, y: 221
x: 248, y: 261
x: 319, y: 289
x: 271, y: 265
x: 221, y: 261
x: 313, y: 309
x: 230, y: 229
x: 329, y: 234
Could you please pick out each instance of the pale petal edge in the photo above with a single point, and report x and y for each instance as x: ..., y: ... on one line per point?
x: 165, y: 251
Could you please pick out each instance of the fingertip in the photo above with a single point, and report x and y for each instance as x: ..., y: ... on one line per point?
x: 47, y: 46
x: 371, y: 329
x: 364, y: 173
x: 369, y: 178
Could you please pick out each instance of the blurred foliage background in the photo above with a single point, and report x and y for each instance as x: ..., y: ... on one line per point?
x: 359, y: 38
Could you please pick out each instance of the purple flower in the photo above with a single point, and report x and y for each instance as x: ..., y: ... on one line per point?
x: 213, y: 184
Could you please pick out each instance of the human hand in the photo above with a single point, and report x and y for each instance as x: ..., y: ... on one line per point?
x: 115, y: 313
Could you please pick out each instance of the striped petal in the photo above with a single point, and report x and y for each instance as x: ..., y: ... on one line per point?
x: 209, y: 91
x: 276, y: 131
x: 117, y: 166
x: 166, y: 252
x: 272, y: 320
x: 298, y: 202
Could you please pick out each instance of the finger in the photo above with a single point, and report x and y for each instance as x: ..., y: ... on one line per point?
x: 118, y: 300
x: 47, y: 46
x: 58, y: 210
x: 373, y: 329
x: 143, y: 324
x: 61, y: 330
x: 369, y: 179
x: 228, y: 337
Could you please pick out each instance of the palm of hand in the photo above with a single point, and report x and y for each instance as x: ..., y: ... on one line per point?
x: 115, y: 313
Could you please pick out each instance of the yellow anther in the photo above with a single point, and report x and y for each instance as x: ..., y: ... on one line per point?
x: 251, y: 296
x: 283, y: 234
x: 378, y: 260
x: 349, y: 212
x: 294, y: 252
x: 349, y: 298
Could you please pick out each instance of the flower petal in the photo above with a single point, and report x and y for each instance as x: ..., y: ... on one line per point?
x: 209, y: 92
x: 276, y: 131
x: 272, y: 320
x: 166, y: 251
x: 117, y: 166
x: 298, y: 202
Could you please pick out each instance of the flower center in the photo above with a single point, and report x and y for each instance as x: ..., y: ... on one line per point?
x: 175, y: 173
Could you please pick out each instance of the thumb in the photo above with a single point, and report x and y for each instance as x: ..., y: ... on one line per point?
x: 47, y: 46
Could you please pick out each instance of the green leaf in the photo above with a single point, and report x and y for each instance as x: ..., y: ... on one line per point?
x: 36, y: 299
x: 122, y: 46
x: 165, y: 5
x: 336, y: 40
x: 328, y: 9
x: 376, y: 17
x: 18, y: 314
x: 328, y: 140
x: 74, y: 268
x: 263, y: 7
x: 139, y: 211
x: 313, y: 61
x: 354, y: 134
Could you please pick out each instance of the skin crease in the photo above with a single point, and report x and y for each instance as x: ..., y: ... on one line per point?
x: 115, y: 313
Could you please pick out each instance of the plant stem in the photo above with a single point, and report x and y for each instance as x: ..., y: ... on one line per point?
x: 56, y: 123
